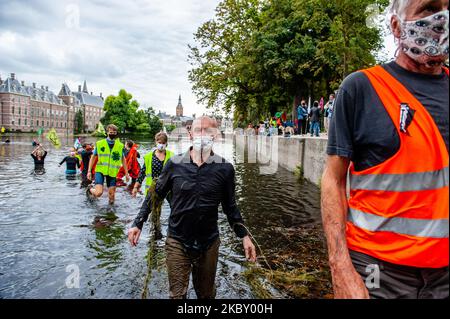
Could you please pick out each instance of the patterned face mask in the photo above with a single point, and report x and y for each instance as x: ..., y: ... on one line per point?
x: 426, y: 40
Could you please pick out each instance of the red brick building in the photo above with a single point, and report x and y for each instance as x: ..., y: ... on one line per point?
x: 25, y: 108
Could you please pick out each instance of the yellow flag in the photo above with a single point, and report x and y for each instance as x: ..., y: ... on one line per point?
x: 3, y: 130
x: 53, y: 138
x: 100, y: 129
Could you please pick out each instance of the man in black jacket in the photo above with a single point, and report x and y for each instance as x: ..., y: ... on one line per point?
x: 199, y: 181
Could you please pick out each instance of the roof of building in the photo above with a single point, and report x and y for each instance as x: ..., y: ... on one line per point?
x: 88, y: 99
x: 85, y: 90
x: 163, y: 115
x: 65, y: 91
x: 12, y: 85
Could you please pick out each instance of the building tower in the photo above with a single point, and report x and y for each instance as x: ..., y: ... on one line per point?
x: 179, y: 107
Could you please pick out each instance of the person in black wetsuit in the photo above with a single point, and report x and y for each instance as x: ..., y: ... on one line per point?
x: 72, y: 163
x: 38, y: 156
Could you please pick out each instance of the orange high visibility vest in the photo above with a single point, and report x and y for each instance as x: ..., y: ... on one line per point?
x: 398, y: 210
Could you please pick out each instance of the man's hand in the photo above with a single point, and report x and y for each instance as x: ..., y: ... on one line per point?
x: 133, y: 235
x: 127, y: 177
x: 249, y: 248
x: 89, y: 176
x: 348, y: 284
x: 135, y: 191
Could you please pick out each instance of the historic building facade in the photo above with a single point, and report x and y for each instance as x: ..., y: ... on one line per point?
x: 27, y: 108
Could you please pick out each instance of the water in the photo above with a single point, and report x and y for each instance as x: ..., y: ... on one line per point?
x: 49, y: 230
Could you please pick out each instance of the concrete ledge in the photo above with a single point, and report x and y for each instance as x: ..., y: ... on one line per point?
x: 309, y: 153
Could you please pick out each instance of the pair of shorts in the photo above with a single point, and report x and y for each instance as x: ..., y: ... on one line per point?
x: 71, y: 172
x: 100, y: 179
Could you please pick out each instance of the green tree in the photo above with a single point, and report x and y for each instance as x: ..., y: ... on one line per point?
x: 79, y: 122
x: 259, y: 57
x: 170, y: 128
x: 123, y: 112
x: 154, y: 123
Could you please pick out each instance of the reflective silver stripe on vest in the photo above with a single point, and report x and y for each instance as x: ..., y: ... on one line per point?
x: 401, y: 182
x: 148, y: 176
x: 433, y: 228
x: 103, y: 155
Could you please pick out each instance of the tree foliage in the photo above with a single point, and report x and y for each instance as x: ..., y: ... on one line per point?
x: 124, y: 112
x: 79, y: 122
x: 262, y: 56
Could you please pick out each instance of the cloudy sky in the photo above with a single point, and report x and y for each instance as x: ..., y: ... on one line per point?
x: 138, y: 45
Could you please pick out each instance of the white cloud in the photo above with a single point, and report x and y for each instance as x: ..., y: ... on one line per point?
x: 138, y: 45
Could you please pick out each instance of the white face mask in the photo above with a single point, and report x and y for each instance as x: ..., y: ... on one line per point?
x: 203, y: 144
x: 425, y: 39
x: 161, y: 147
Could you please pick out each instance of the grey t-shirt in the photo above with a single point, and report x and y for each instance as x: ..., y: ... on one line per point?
x: 361, y: 128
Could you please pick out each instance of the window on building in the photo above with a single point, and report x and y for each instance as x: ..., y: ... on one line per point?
x: 42, y: 123
x: 47, y: 123
x: 13, y: 109
x: 25, y: 121
x: 12, y: 122
x: 19, y: 110
x: 65, y: 124
x: 18, y: 121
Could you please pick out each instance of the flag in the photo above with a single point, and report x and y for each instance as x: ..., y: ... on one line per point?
x: 53, y: 138
x: 3, y: 130
x: 321, y: 103
x: 77, y: 144
x: 100, y: 129
x: 40, y: 131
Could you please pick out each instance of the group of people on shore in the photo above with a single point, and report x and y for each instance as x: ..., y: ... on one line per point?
x: 308, y: 120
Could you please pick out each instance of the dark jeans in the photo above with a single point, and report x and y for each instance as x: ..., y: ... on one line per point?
x: 401, y: 282
x: 315, y: 128
x: 180, y: 264
x: 299, y: 127
x: 304, y: 126
x: 84, y: 181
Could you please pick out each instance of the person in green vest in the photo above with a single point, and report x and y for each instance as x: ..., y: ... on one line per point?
x: 110, y: 155
x: 154, y: 162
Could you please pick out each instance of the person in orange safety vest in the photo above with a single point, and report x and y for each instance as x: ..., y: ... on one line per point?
x: 385, y: 196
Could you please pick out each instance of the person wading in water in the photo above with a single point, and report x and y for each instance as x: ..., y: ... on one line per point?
x: 199, y: 181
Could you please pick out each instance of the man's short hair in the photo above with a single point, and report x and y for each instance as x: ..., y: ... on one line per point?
x: 112, y: 127
x: 161, y: 137
x: 130, y: 143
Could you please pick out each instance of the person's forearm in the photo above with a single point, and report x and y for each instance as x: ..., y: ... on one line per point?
x: 145, y: 210
x: 125, y: 166
x: 35, y: 150
x: 91, y: 163
x: 334, y: 216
